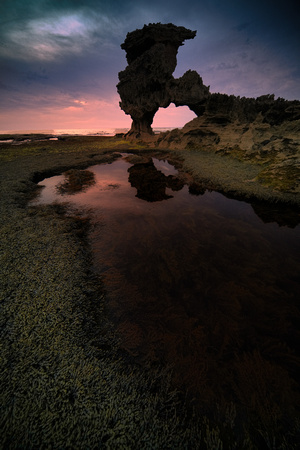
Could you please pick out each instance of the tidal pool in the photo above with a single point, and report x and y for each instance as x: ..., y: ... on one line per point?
x: 195, y: 281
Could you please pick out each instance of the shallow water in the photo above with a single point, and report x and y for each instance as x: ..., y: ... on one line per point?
x: 197, y: 282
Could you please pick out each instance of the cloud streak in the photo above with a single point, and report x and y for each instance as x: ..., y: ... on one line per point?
x: 53, y: 38
x: 62, y: 57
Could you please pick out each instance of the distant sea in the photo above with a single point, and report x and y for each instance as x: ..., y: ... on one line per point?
x: 81, y: 131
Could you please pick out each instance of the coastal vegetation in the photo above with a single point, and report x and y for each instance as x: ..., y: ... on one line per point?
x: 65, y: 380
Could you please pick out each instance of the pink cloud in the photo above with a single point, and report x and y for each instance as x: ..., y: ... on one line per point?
x: 84, y: 113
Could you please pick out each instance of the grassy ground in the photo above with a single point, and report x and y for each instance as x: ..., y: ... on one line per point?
x: 64, y: 381
x: 242, y: 178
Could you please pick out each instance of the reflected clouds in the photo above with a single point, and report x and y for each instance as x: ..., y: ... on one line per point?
x: 150, y: 180
x: 196, y: 282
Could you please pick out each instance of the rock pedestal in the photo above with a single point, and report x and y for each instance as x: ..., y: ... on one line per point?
x: 147, y: 82
x: 262, y: 130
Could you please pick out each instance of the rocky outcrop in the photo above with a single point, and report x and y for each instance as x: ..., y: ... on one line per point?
x: 264, y: 130
x: 261, y: 131
x: 230, y: 122
x: 147, y: 82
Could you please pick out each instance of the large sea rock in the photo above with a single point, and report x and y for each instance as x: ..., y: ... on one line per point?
x: 147, y: 82
x: 262, y: 129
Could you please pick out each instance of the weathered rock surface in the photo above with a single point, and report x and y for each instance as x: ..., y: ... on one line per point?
x: 264, y: 130
x: 147, y: 82
x: 253, y: 125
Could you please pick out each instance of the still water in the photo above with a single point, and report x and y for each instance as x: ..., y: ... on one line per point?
x: 194, y: 280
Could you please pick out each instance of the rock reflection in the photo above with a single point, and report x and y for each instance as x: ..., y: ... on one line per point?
x: 150, y: 183
x: 200, y: 284
x: 281, y: 214
x: 197, y: 189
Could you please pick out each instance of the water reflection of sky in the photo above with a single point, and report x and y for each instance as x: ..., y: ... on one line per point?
x: 165, y: 167
x: 198, y: 281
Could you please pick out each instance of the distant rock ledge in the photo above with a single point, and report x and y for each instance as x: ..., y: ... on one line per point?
x: 263, y: 130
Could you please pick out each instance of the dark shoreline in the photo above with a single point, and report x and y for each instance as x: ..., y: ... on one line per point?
x: 62, y: 367
x: 237, y: 178
x: 64, y: 381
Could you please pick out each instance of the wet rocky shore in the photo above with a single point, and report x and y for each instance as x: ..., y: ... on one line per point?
x: 65, y: 381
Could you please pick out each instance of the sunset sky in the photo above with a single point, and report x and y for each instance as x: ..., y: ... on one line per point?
x: 59, y: 59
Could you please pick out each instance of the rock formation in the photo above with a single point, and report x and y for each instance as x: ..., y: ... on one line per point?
x: 151, y: 183
x: 147, y: 82
x: 264, y: 130
x: 248, y: 123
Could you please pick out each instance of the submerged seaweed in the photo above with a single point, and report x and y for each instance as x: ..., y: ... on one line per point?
x: 76, y: 181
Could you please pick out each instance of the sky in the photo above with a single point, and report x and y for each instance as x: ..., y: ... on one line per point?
x: 59, y: 59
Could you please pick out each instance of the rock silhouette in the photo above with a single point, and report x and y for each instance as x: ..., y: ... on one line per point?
x: 150, y: 183
x: 259, y: 130
x: 147, y: 82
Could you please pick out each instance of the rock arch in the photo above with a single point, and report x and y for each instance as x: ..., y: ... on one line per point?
x: 173, y: 116
x: 147, y: 82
